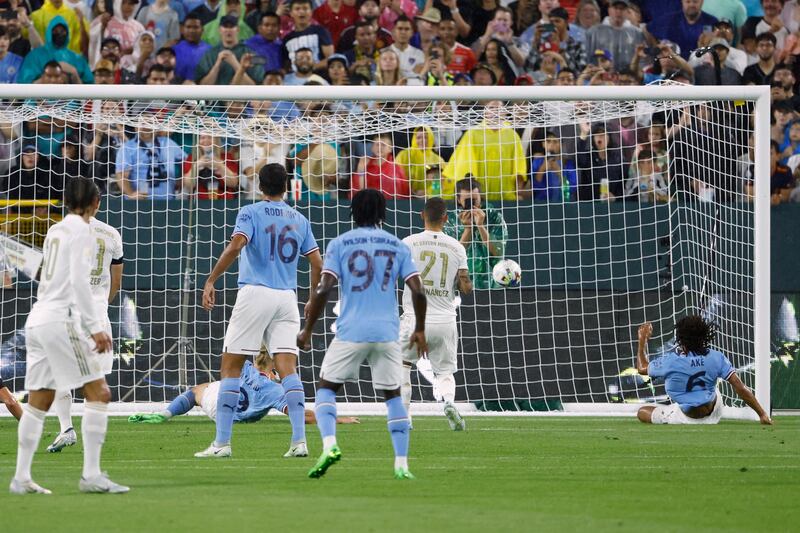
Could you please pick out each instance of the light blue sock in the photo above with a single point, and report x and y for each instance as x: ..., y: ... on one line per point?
x: 182, y: 404
x: 398, y: 425
x: 227, y: 400
x: 296, y: 406
x: 325, y: 409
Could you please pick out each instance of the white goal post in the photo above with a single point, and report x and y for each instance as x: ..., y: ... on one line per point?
x: 592, y: 270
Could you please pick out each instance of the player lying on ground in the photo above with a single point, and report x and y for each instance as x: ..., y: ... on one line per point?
x: 366, y: 261
x: 10, y: 402
x: 258, y: 394
x: 58, y: 356
x: 443, y: 261
x: 106, y: 278
x: 690, y: 376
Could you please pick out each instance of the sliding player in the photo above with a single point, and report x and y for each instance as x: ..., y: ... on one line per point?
x: 258, y: 394
x: 690, y: 376
x: 58, y: 357
x: 10, y: 402
x: 270, y: 235
x: 105, y: 281
x: 367, y: 262
x: 443, y: 260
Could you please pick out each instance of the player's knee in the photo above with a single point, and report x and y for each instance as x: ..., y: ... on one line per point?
x: 389, y: 394
x: 232, y: 365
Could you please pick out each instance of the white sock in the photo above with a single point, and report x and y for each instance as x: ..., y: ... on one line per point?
x: 165, y: 413
x: 405, y: 388
x: 447, y: 386
x: 93, y: 429
x: 62, y: 407
x: 401, y: 462
x: 29, y: 432
x: 328, y: 442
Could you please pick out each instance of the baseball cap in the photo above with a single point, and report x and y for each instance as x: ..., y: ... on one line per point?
x: 719, y: 41
x: 626, y: 3
x: 229, y: 20
x: 559, y: 13
x: 104, y: 64
x: 339, y: 57
x: 28, y: 148
x: 602, y: 52
x: 432, y: 15
x: 722, y: 21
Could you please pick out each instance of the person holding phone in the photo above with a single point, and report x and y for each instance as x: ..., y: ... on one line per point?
x: 501, y: 28
x: 684, y: 27
x: 554, y: 36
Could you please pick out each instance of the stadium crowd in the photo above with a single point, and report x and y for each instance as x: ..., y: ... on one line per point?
x: 406, y: 42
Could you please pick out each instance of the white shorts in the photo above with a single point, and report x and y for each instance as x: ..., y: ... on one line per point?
x: 107, y: 358
x: 672, y: 414
x: 60, y: 356
x: 442, y: 345
x: 209, y: 402
x: 263, y: 316
x: 343, y: 360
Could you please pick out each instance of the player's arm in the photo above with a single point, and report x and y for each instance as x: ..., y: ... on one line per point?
x: 315, y: 259
x: 314, y: 307
x: 645, y: 331
x: 10, y: 402
x: 79, y: 269
x: 420, y: 302
x: 312, y: 419
x: 749, y: 398
x: 464, y: 283
x: 226, y: 259
x: 116, y: 280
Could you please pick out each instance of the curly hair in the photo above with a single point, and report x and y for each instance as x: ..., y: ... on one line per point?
x: 368, y: 208
x: 694, y: 334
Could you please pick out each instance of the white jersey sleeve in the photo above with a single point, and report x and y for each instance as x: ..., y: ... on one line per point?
x: 439, y: 257
x: 109, y: 249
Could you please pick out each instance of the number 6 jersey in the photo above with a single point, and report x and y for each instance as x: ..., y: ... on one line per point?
x: 108, y: 252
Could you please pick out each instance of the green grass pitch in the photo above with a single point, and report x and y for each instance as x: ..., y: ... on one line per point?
x: 503, y: 474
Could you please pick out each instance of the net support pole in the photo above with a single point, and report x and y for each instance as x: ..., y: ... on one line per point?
x: 761, y: 253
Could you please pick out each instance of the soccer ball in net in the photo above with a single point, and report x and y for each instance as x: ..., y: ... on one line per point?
x: 507, y: 273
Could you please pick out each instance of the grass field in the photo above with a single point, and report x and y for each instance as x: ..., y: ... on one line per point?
x: 503, y: 474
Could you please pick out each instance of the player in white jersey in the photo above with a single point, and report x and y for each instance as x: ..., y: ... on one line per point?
x: 105, y: 281
x: 58, y: 356
x: 442, y: 261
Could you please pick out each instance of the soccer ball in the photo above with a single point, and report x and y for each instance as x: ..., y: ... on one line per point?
x: 507, y: 273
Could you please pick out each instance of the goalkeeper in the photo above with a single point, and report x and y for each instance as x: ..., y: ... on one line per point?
x: 690, y: 376
x: 258, y: 394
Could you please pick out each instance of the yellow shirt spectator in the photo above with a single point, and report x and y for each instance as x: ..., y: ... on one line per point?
x: 51, y: 8
x: 418, y: 159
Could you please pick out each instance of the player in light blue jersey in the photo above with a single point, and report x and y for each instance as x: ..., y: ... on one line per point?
x: 690, y: 376
x: 270, y: 236
x: 366, y: 262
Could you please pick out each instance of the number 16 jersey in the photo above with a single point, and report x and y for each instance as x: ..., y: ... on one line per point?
x: 276, y: 235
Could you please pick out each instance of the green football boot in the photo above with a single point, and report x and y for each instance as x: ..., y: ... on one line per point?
x: 325, y: 461
x: 403, y: 473
x: 148, y: 418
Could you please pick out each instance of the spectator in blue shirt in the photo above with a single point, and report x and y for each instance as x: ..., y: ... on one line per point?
x: 683, y: 27
x: 191, y: 48
x: 9, y: 62
x: 555, y: 177
x: 267, y: 44
x: 147, y: 166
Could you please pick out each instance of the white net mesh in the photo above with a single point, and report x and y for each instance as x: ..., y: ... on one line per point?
x: 617, y: 212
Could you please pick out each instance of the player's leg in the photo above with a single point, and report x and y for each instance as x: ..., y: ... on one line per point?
x: 227, y: 400
x: 182, y: 404
x: 645, y: 414
x: 62, y: 406
x: 386, y: 362
x: 409, y: 358
x: 405, y: 389
x: 442, y: 355
x: 9, y: 401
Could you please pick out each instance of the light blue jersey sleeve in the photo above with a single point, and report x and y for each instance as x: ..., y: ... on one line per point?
x: 658, y: 367
x: 331, y: 261
x: 309, y: 243
x: 244, y: 224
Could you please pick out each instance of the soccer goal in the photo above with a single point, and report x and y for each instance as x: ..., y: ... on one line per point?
x: 621, y: 204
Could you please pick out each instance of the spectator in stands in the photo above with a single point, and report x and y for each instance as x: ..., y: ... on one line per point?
x: 166, y: 58
x: 782, y: 114
x: 158, y: 75
x: 783, y: 77
x: 392, y: 10
x: 230, y: 8
x: 500, y: 29
x: 646, y: 184
x: 683, y: 27
x: 55, y: 48
x: 418, y: 159
x: 761, y: 72
x: 30, y: 178
x: 548, y: 67
x: 462, y: 57
x: 478, y: 15
x: 75, y: 22
x: 379, y: 170
x: 337, y: 70
x: 277, y: 110
x: 123, y: 26
x: 769, y: 22
x: 208, y: 10
x: 602, y: 173
x: 559, y: 40
x: 502, y: 174
x: 667, y: 64
x: 364, y: 55
x: 525, y: 13
x: 435, y: 68
x: 307, y: 35
x: 388, y: 71
x: 159, y: 18
x: 706, y: 74
x: 336, y: 16
x: 427, y: 28
x: 497, y: 56
x: 565, y: 77
x: 483, y: 75
x: 450, y: 11
x: 222, y: 63
x: 303, y: 68
x: 191, y: 49
x: 781, y: 179
x: 101, y: 151
x: 267, y: 44
x: 68, y: 164
x: 616, y: 37
x: 790, y: 16
x: 142, y: 58
x: 146, y: 165
x: 554, y: 176
x: 790, y: 144
x: 9, y: 62
x: 104, y: 73
x: 587, y: 15
x: 15, y: 21
x: 368, y: 10
x: 103, y: 11
x: 210, y: 171
x: 736, y: 59
x: 480, y: 228
x: 412, y: 59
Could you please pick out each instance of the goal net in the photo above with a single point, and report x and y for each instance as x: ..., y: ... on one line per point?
x: 619, y: 211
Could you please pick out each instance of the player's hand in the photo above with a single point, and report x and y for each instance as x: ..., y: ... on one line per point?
x: 102, y: 342
x: 348, y: 420
x: 645, y: 331
x: 765, y: 419
x: 418, y: 338
x: 465, y: 217
x: 209, y: 296
x: 304, y: 340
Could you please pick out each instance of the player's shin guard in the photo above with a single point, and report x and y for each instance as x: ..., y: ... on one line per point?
x: 62, y: 407
x: 296, y: 406
x: 93, y: 430
x: 29, y: 431
x: 325, y: 411
x: 447, y: 387
x: 227, y: 400
x: 398, y: 429
x: 405, y: 388
x: 182, y: 404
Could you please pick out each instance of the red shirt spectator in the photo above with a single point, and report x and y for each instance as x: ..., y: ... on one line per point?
x: 379, y: 171
x: 335, y: 15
